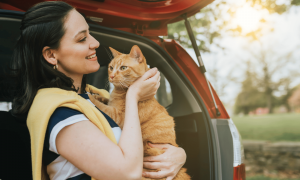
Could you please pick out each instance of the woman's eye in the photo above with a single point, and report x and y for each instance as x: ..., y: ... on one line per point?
x: 123, y: 67
x: 111, y: 68
x: 83, y: 39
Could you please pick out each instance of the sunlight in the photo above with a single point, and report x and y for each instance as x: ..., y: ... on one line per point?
x: 247, y: 18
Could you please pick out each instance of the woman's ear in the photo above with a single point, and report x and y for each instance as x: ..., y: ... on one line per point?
x: 49, y: 55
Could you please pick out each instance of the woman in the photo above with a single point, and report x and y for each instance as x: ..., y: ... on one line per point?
x: 55, y: 50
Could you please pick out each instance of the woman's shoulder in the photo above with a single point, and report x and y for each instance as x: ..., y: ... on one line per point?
x: 63, y: 116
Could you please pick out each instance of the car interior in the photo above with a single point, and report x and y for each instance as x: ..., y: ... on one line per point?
x: 174, y: 94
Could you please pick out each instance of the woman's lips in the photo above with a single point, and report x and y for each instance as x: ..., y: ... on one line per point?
x: 92, y: 57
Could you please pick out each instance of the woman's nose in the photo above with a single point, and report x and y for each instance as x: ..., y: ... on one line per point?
x: 94, y: 44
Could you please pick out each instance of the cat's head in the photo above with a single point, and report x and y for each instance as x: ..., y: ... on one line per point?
x: 124, y: 69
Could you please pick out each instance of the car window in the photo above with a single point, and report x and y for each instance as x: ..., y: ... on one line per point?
x: 164, y: 92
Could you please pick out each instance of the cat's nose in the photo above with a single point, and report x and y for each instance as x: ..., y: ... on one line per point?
x: 112, y: 76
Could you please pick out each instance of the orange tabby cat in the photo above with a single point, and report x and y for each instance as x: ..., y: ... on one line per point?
x: 156, y: 124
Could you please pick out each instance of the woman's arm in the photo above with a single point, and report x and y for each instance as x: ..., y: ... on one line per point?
x: 92, y: 152
x: 169, y: 162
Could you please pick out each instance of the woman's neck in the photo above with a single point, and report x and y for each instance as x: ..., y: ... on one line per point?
x: 77, y: 83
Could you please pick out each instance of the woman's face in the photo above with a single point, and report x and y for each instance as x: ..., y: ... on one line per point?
x: 76, y: 54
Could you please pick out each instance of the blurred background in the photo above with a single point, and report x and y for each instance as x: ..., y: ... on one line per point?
x: 251, y: 49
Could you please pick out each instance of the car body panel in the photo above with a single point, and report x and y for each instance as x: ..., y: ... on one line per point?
x: 143, y: 17
x: 193, y: 73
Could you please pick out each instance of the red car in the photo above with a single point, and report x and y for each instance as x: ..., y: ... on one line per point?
x: 203, y: 126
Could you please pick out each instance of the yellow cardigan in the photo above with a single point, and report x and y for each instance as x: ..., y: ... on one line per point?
x: 45, y: 103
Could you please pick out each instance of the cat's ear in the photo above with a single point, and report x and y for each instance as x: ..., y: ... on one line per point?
x: 114, y: 52
x: 136, y: 53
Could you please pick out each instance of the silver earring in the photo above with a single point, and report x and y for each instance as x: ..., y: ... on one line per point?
x: 55, y: 66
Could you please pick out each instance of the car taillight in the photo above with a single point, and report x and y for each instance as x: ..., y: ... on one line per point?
x: 239, y: 172
x: 238, y: 153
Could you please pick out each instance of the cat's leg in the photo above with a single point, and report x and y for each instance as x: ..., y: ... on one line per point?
x: 114, y: 113
x: 102, y: 99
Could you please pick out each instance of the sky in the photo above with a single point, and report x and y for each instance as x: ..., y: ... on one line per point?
x: 284, y: 38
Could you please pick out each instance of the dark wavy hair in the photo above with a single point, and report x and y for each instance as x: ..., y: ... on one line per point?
x: 42, y: 25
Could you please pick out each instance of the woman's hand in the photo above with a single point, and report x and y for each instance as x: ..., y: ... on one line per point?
x: 146, y: 86
x: 169, y: 162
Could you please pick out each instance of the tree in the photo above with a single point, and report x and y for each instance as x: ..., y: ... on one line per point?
x: 250, y: 97
x: 294, y: 99
x: 207, y: 26
x: 268, y: 66
x: 212, y: 23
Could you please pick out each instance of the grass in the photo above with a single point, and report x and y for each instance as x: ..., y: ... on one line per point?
x: 265, y: 178
x: 274, y: 127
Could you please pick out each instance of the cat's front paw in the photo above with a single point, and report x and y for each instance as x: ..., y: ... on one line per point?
x: 102, y: 99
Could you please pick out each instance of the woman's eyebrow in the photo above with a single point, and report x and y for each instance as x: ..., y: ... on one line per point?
x: 83, y: 31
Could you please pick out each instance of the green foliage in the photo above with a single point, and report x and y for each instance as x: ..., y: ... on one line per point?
x: 249, y: 98
x: 209, y: 22
x: 206, y: 26
x: 178, y: 32
x: 270, y: 5
x: 295, y: 2
x: 212, y: 23
x: 271, y: 127
x: 266, y: 178
x: 283, y: 100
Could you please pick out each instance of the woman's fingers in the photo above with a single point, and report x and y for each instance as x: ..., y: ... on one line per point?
x: 154, y: 78
x: 158, y: 79
x: 146, y: 86
x: 153, y: 158
x: 150, y: 73
x: 155, y: 175
x: 169, y: 178
x: 153, y: 165
x: 160, y: 146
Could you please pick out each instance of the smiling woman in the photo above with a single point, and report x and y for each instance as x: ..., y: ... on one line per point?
x: 77, y: 54
x: 70, y: 137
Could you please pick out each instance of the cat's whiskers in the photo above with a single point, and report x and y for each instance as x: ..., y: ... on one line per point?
x: 128, y: 81
x: 121, y: 84
x: 124, y: 84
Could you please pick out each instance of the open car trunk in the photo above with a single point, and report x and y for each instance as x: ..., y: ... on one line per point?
x: 176, y: 93
x: 180, y: 101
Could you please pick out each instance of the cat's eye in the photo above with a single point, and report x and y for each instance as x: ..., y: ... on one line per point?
x: 111, y: 68
x: 123, y: 68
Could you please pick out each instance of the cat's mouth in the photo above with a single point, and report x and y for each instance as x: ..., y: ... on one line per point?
x: 119, y: 84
